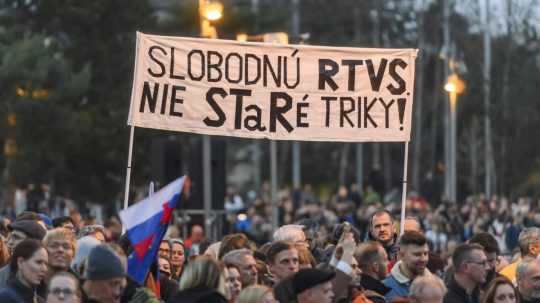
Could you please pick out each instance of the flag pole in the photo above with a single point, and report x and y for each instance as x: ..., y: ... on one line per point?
x: 151, y: 189
x: 128, y: 168
x: 404, y: 192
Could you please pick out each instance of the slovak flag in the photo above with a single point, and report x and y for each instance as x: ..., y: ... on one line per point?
x: 146, y: 223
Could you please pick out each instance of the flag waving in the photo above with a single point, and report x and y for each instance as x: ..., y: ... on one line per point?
x: 146, y: 223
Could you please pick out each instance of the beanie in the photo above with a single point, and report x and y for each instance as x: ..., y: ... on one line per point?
x: 103, y: 264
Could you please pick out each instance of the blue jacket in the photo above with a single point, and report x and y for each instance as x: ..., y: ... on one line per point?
x: 399, y: 283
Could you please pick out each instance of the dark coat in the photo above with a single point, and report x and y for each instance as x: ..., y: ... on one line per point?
x: 370, y: 283
x: 198, y: 296
x: 458, y: 294
x: 16, y: 292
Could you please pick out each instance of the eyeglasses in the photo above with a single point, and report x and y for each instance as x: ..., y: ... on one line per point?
x: 483, y: 263
x: 67, y: 292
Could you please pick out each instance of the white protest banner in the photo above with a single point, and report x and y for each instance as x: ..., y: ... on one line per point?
x: 279, y: 92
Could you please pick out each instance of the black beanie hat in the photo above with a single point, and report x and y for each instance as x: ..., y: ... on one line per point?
x: 310, y: 277
x: 103, y: 264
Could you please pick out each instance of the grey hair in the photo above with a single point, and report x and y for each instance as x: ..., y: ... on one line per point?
x: 288, y: 232
x: 527, y: 237
x: 236, y: 256
x: 421, y: 283
x: 523, y: 266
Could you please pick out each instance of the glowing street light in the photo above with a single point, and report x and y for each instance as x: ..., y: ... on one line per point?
x: 454, y: 86
x: 209, y: 11
x: 213, y: 11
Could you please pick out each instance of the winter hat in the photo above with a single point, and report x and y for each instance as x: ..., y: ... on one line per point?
x: 30, y: 228
x: 103, y: 264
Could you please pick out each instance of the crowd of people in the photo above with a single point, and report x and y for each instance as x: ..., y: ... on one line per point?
x: 65, y: 260
x: 347, y: 249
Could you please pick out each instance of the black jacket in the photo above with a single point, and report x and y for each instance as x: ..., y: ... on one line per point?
x: 370, y: 283
x: 16, y: 292
x: 457, y: 294
x: 198, y: 296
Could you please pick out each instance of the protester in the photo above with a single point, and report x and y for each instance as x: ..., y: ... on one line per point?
x: 20, y: 230
x: 313, y: 286
x: 63, y: 288
x: 232, y: 282
x: 282, y: 260
x: 528, y: 280
x: 491, y: 250
x: 501, y: 290
x: 164, y: 250
x: 178, y: 258
x: 412, y: 224
x: 23, y: 229
x: 202, y: 282
x: 29, y: 267
x: 427, y: 289
x: 256, y: 294
x: 164, y: 266
x: 194, y: 240
x: 291, y: 233
x: 61, y: 246
x: 232, y: 242
x: 103, y: 282
x: 470, y: 265
x: 413, y: 258
x: 381, y: 229
x: 168, y: 287
x: 245, y: 262
x: 373, y: 263
x: 529, y: 246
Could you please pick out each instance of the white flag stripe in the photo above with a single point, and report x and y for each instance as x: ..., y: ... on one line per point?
x: 145, y: 209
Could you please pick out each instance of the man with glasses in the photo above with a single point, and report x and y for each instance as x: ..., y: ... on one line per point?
x: 64, y: 288
x: 471, y: 266
x: 492, y: 251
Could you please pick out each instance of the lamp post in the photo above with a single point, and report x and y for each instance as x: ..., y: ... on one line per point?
x: 208, y: 11
x: 454, y: 86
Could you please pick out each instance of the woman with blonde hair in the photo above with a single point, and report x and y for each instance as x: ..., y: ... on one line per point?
x: 256, y: 294
x: 202, y: 282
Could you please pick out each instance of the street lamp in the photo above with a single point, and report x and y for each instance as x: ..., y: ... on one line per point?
x: 454, y: 86
x: 209, y: 11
